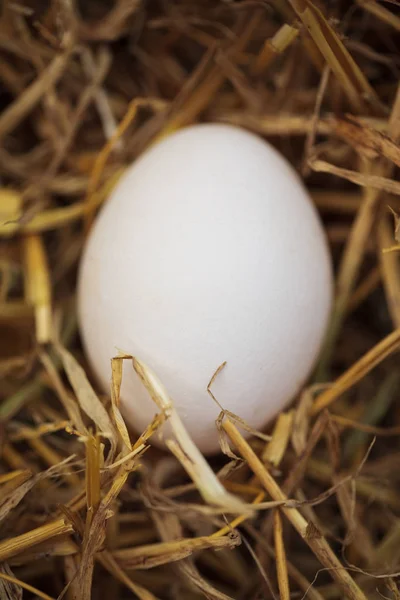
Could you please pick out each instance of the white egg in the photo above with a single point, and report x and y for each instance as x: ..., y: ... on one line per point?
x: 208, y: 250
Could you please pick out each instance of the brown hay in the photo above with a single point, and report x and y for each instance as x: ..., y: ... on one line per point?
x: 311, y: 507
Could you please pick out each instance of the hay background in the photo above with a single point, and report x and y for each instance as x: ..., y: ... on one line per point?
x: 85, y: 87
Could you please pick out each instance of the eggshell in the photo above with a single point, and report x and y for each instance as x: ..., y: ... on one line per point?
x: 208, y: 250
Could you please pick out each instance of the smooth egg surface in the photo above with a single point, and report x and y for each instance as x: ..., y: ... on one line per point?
x: 208, y: 250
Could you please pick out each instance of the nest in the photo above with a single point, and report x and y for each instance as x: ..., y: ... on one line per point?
x: 88, y: 510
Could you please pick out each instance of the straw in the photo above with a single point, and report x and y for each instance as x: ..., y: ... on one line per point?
x: 304, y: 508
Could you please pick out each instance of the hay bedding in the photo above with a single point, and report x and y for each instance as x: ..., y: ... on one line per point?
x: 86, y: 509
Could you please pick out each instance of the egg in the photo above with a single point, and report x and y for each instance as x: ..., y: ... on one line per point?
x: 208, y: 250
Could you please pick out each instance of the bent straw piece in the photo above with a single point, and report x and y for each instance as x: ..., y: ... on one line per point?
x: 317, y: 543
x: 186, y: 451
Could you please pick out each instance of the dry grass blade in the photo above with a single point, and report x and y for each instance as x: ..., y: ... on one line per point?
x: 376, y: 182
x: 389, y: 263
x: 171, y: 529
x: 25, y: 586
x: 343, y: 203
x: 382, y: 13
x: 113, y: 24
x: 370, y: 360
x: 70, y: 130
x: 103, y: 156
x: 38, y: 285
x: 187, y: 452
x: 27, y: 433
x: 390, y: 270
x: 193, y: 576
x: 13, y: 498
x: 57, y: 218
x: 153, y: 555
x: 387, y: 548
x: 311, y: 136
x: 14, y: 478
x: 138, y: 449
x: 261, y: 570
x: 93, y: 466
x: 310, y: 592
x: 367, y: 141
x: 116, y: 374
x: 70, y: 405
x: 276, y: 448
x: 86, y: 396
x: 357, y: 441
x: 320, y: 471
x: 392, y: 587
x: 396, y: 220
x: 109, y: 563
x: 95, y: 531
x: 317, y: 543
x: 289, y: 125
x: 206, y: 90
x: 354, y: 252
x: 349, y: 268
x: 239, y: 520
x: 347, y: 72
x: 366, y: 287
x: 283, y: 38
x: 8, y: 589
x: 281, y: 564
x: 345, y: 422
x: 52, y: 458
x: 11, y: 405
x: 30, y: 97
x: 100, y: 97
x: 18, y: 544
x: 15, y: 310
x: 10, y: 204
x: 86, y: 88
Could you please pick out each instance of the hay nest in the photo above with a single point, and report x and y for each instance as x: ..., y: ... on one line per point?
x: 85, y: 512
